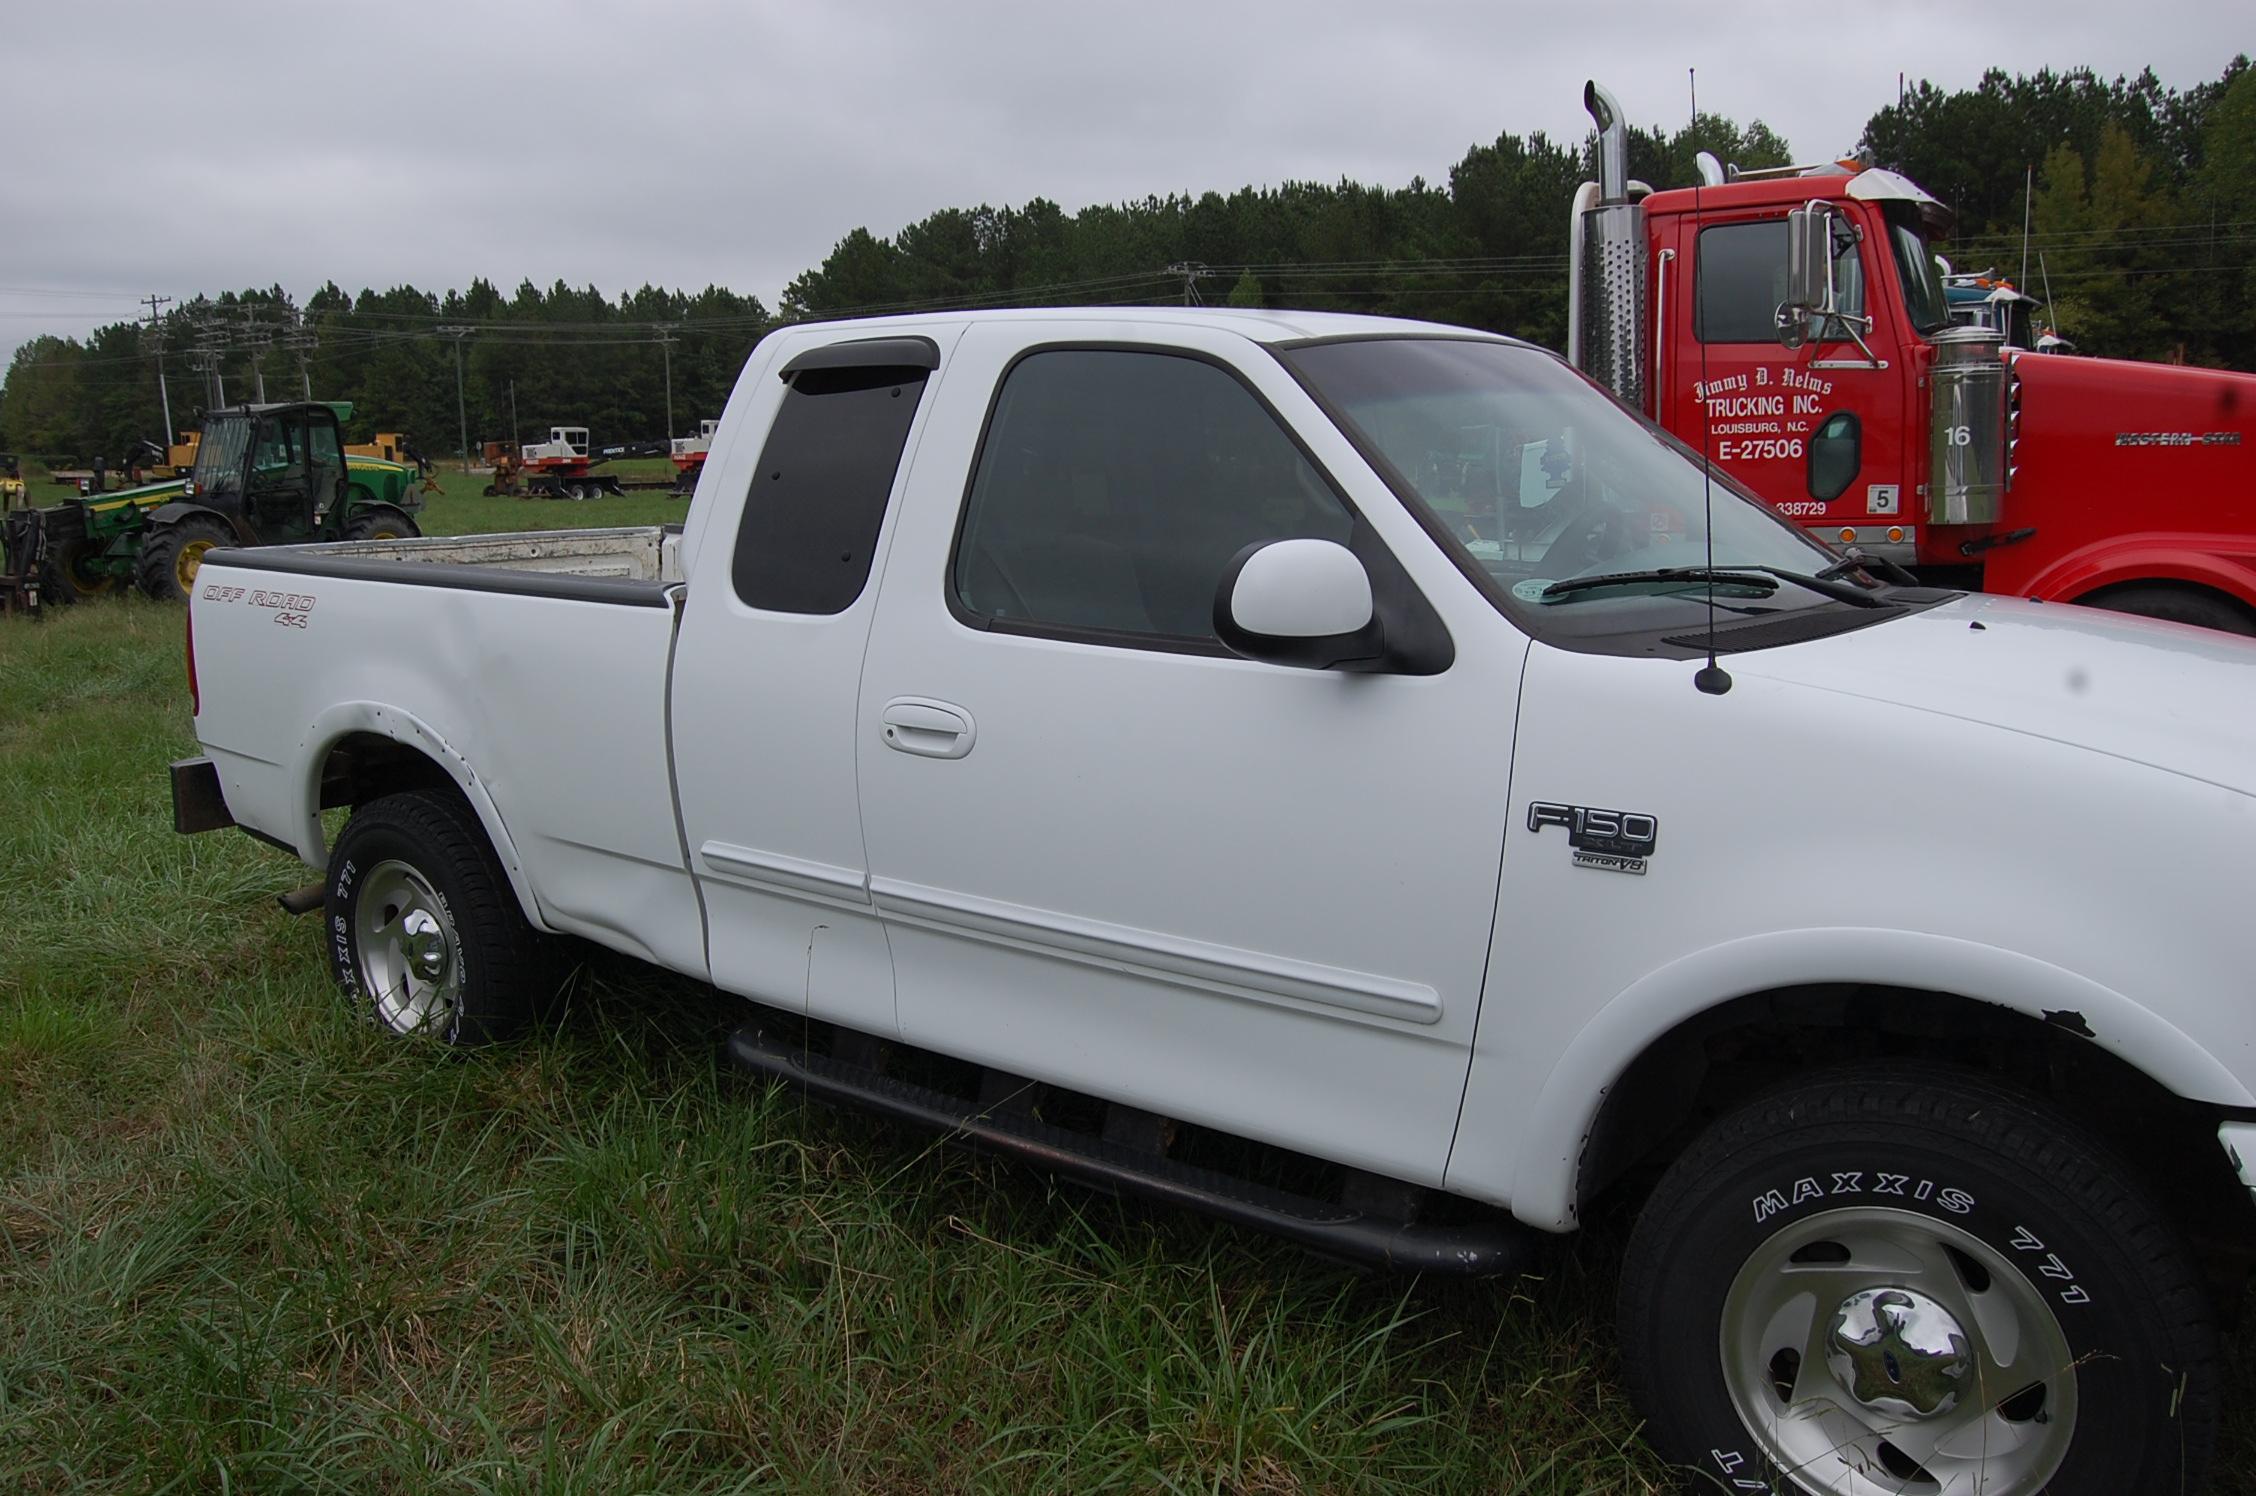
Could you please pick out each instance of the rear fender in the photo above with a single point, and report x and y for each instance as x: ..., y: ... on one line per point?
x: 344, y: 720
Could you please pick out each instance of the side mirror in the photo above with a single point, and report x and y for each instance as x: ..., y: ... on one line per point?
x: 1298, y: 602
x: 1809, y: 274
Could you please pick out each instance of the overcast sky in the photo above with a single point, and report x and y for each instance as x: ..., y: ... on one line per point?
x: 175, y: 148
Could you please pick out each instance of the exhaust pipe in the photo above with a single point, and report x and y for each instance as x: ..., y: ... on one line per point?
x: 1608, y: 286
x: 1613, y: 143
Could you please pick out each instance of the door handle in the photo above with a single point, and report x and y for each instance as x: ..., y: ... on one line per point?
x: 930, y: 729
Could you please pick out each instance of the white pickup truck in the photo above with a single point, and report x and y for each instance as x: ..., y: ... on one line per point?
x: 1353, y: 777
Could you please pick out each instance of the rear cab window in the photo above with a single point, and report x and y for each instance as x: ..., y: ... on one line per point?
x: 818, y: 497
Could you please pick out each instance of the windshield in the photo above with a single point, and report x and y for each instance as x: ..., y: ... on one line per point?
x: 219, y: 455
x: 1922, y: 282
x: 1536, y: 477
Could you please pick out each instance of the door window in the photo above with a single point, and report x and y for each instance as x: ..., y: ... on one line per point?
x: 1113, y: 489
x: 1742, y: 281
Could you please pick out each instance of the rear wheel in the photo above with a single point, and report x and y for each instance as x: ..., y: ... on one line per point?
x: 73, y: 573
x: 1893, y: 1280
x: 172, y: 555
x: 2178, y: 605
x: 380, y: 522
x: 425, y: 934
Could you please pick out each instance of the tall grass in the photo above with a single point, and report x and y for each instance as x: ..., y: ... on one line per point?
x: 247, y: 1243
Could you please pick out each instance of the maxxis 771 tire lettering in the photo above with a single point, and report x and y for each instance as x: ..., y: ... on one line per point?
x: 1890, y: 1278
x: 423, y: 932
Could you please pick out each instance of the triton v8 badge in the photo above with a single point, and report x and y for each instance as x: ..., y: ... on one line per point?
x: 1613, y: 841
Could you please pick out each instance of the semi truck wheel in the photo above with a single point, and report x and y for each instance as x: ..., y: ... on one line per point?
x: 1897, y: 1279
x: 381, y: 522
x: 172, y: 555
x: 2177, y: 605
x: 425, y: 935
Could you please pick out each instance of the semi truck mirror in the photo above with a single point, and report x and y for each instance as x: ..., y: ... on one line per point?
x: 1809, y: 258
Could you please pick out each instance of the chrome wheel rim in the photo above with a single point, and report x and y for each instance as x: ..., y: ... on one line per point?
x: 409, y: 959
x: 1876, y: 1351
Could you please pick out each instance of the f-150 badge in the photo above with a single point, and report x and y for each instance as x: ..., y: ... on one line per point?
x: 1613, y: 841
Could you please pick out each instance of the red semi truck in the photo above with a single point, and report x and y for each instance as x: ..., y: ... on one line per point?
x: 1793, y: 325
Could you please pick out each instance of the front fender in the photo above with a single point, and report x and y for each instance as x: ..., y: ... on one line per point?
x: 180, y: 509
x: 349, y: 718
x: 1540, y: 1176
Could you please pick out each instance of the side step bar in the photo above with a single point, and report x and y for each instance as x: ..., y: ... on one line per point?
x: 1481, y: 1249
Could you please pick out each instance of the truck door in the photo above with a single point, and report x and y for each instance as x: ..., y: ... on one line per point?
x: 1113, y: 854
x: 766, y: 665
x: 1818, y: 431
x: 281, y: 483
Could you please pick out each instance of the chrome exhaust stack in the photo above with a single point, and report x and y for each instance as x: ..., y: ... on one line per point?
x: 1609, y: 327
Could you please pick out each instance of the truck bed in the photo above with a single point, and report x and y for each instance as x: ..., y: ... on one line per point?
x: 480, y: 650
x: 646, y: 558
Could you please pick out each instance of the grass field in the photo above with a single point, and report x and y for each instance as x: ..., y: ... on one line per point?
x: 248, y: 1244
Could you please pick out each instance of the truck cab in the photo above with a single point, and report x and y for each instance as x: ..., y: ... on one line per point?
x: 1794, y: 325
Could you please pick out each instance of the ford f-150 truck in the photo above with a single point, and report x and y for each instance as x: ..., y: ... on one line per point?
x: 1128, y: 739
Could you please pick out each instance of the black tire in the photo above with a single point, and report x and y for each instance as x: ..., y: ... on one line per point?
x: 1932, y: 1189
x: 2178, y: 605
x: 381, y: 522
x: 67, y: 576
x: 172, y: 554
x: 411, y: 873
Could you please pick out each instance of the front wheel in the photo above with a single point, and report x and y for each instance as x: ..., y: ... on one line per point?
x: 425, y: 933
x: 2178, y: 605
x: 172, y: 555
x: 1895, y: 1280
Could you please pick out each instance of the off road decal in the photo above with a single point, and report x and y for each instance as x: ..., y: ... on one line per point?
x: 291, y: 610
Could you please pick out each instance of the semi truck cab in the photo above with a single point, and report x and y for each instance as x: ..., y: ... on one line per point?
x: 1794, y: 326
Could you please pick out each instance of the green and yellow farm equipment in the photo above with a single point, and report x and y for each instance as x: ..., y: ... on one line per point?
x: 264, y: 475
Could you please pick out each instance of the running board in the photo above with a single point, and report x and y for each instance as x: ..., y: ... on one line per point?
x: 1480, y: 1249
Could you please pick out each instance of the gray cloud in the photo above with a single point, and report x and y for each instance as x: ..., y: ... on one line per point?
x: 177, y: 148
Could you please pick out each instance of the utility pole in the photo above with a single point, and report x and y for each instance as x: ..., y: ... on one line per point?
x: 256, y: 336
x: 461, y: 412
x: 514, y: 428
x: 301, y: 342
x: 1192, y: 271
x: 156, y: 343
x: 666, y: 342
x: 211, y: 346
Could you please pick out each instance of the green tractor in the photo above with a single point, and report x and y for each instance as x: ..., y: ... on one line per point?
x: 264, y: 475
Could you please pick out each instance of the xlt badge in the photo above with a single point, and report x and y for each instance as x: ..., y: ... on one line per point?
x: 1613, y: 841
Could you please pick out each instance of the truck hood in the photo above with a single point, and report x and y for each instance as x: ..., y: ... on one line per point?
x: 2167, y: 695
x: 2110, y: 450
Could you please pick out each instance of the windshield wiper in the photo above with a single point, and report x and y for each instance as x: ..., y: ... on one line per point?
x: 1729, y: 576
x: 1879, y: 567
x: 1735, y: 576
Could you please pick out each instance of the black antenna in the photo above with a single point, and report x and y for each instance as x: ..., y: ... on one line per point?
x: 1711, y: 677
